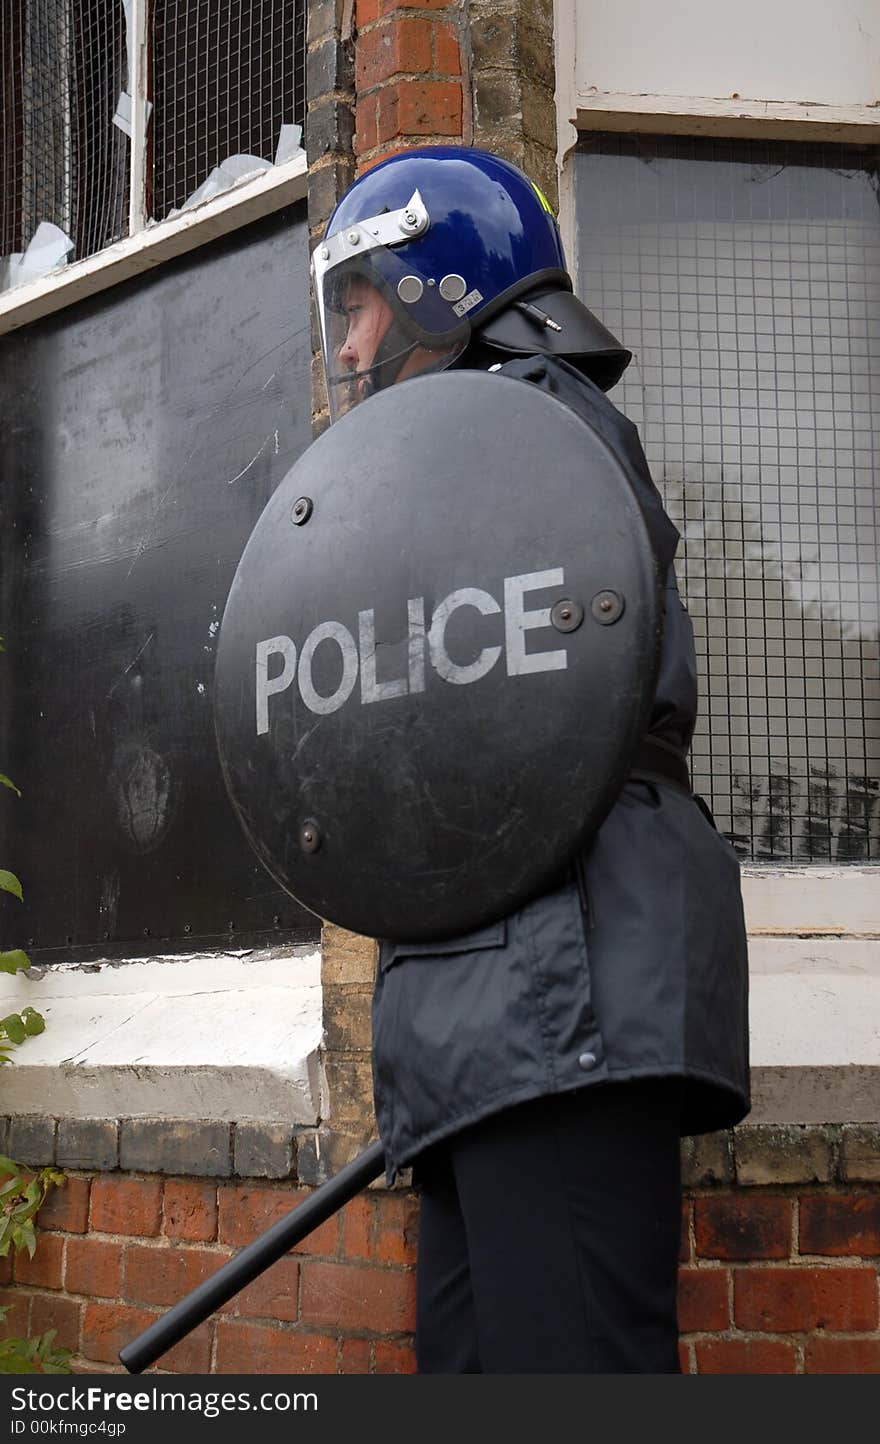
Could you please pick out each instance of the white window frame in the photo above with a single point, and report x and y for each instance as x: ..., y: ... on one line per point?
x: 137, y: 81
x: 584, y: 110
x: 249, y: 200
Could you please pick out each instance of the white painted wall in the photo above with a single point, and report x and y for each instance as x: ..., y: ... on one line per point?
x: 237, y: 1036
x: 818, y: 51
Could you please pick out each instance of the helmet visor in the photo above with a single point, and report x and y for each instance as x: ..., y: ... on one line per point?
x: 382, y: 318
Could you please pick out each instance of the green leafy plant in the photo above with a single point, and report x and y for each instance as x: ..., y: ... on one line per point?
x: 21, y: 1197
x: 14, y: 960
x: 32, y: 1356
x: 16, y: 1027
x: 22, y: 1194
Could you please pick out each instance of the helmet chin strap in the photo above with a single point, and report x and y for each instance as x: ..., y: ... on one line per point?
x: 387, y: 362
x: 390, y: 358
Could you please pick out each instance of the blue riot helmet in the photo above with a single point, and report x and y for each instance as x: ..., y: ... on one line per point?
x: 454, y: 253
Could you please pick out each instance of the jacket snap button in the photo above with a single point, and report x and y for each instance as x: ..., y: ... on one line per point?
x: 587, y: 1061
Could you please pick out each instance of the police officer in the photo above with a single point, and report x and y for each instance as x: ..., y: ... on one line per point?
x: 538, y: 1074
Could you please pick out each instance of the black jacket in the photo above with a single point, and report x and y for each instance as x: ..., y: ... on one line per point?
x: 634, y: 966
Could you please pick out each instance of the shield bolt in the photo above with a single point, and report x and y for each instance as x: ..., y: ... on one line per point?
x: 567, y: 615
x: 301, y: 510
x: 310, y: 836
x: 607, y: 607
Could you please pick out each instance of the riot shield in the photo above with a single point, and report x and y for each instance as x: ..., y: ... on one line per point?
x: 437, y: 656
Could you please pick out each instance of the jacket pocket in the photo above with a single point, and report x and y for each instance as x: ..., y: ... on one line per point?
x: 494, y: 935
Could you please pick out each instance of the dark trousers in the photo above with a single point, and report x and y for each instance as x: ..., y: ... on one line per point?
x: 549, y: 1237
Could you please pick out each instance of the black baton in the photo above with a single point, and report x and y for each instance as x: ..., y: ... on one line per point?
x: 251, y: 1261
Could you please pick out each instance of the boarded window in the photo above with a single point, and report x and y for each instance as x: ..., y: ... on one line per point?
x: 141, y: 434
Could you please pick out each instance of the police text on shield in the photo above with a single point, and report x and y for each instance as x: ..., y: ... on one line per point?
x: 359, y: 657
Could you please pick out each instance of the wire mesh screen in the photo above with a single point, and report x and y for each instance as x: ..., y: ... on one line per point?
x: 227, y: 74
x: 11, y: 94
x: 101, y: 175
x: 745, y: 277
x: 64, y: 161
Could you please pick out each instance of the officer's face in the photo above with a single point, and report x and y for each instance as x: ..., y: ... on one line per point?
x: 368, y: 316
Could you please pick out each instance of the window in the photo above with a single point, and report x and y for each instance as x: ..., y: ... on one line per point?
x: 227, y: 77
x: 224, y: 86
x: 745, y: 276
x: 64, y: 161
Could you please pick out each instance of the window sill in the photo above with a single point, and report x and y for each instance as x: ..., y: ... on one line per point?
x: 235, y: 1037
x: 814, y: 968
x: 220, y: 1037
x: 243, y: 203
x: 708, y: 115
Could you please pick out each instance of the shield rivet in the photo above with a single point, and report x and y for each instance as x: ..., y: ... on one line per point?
x: 310, y: 836
x: 567, y: 615
x: 607, y: 607
x: 301, y: 510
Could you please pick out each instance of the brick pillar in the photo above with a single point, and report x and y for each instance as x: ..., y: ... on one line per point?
x: 408, y: 76
x: 347, y: 962
x: 329, y: 110
x: 383, y: 76
x: 329, y: 129
x: 348, y: 968
x: 513, y: 79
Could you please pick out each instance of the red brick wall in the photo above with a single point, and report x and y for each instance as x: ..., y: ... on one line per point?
x: 773, y: 1281
x: 781, y: 1282
x: 115, y: 1251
